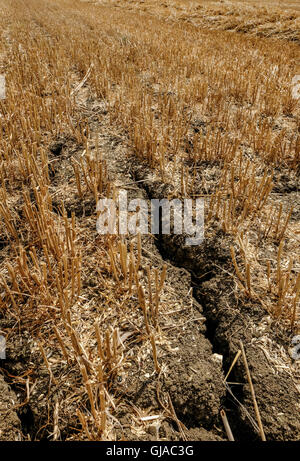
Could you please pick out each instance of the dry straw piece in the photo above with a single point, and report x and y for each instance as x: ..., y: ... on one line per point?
x: 257, y: 413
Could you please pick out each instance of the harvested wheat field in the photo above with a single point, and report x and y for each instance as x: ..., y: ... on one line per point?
x: 140, y: 336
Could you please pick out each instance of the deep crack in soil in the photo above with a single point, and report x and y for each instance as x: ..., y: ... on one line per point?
x: 230, y: 320
x: 219, y: 320
x: 195, y: 378
x: 208, y: 322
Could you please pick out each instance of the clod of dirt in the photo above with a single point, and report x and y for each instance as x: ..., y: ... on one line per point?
x: 200, y: 434
x: 194, y: 380
x: 10, y: 425
x: 56, y: 147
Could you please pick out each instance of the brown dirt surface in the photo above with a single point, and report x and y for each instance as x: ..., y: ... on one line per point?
x: 125, y: 338
x: 231, y: 320
x: 10, y: 425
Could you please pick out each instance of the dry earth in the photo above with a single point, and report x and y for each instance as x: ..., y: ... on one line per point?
x: 203, y: 313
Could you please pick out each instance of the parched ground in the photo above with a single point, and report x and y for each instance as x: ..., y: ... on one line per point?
x: 132, y: 338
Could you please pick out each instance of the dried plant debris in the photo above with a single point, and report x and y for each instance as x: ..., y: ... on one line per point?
x: 143, y: 337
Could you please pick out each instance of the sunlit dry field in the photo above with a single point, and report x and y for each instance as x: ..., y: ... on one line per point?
x: 140, y: 337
